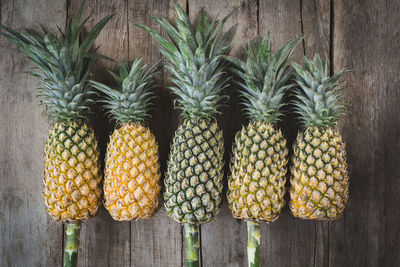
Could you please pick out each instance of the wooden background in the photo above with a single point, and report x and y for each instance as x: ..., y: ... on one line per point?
x: 361, y: 35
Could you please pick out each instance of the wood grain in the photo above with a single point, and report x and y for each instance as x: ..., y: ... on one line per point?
x: 365, y: 42
x: 317, y: 27
x: 27, y: 233
x: 390, y: 255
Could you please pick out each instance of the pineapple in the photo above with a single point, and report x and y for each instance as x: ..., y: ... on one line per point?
x: 319, y: 177
x: 193, y: 181
x: 71, y: 184
x: 256, y: 185
x: 132, y: 171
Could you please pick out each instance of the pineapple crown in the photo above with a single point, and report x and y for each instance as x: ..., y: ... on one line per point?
x: 265, y: 75
x: 63, y: 65
x: 319, y: 95
x: 196, y: 62
x: 130, y: 101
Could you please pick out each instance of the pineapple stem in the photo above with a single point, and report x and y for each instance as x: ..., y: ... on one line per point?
x: 253, y: 244
x: 72, y: 233
x: 192, y: 244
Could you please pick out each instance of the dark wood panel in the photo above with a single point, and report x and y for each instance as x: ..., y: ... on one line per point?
x: 27, y: 233
x: 316, y: 27
x: 390, y: 256
x: 365, y: 40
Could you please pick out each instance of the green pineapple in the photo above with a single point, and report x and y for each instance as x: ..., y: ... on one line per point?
x: 256, y: 186
x: 71, y: 184
x: 319, y: 177
x: 193, y: 182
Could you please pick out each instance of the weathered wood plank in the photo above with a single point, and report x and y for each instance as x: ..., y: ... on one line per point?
x: 222, y: 240
x: 283, y: 20
x: 365, y: 41
x: 158, y: 241
x: 286, y: 20
x: 391, y: 121
x: 105, y: 242
x: 27, y: 234
x: 316, y: 26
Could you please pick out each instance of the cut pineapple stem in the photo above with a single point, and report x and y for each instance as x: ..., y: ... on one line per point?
x: 72, y: 233
x: 253, y: 244
x: 192, y: 245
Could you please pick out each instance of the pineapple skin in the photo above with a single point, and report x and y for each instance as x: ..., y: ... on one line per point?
x: 256, y: 186
x: 193, y: 182
x: 319, y: 176
x: 71, y: 184
x: 132, y: 173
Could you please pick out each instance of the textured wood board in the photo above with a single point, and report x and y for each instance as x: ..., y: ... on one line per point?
x: 27, y: 233
x: 365, y: 40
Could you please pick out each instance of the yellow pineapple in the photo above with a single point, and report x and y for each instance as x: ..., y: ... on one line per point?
x: 71, y: 184
x: 319, y: 177
x: 132, y: 171
x: 256, y: 186
x: 71, y: 187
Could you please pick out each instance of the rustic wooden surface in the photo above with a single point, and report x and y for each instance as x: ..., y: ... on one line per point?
x: 361, y: 35
x: 27, y: 234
